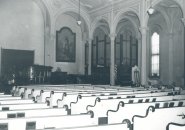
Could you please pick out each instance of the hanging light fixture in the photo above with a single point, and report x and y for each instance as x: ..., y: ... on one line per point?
x: 151, y: 10
x: 79, y: 19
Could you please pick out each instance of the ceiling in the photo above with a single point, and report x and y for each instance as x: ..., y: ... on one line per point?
x: 168, y: 3
x: 91, y: 5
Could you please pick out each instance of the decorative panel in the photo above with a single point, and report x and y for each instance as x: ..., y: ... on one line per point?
x: 65, y: 45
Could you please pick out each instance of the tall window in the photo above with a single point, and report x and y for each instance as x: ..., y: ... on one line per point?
x: 155, y: 55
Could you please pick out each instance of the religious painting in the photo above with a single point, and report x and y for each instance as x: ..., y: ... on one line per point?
x: 65, y: 45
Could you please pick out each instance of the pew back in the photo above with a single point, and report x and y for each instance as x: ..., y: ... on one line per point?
x: 158, y: 119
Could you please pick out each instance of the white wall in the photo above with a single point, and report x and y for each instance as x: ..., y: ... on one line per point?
x: 177, y: 54
x: 22, y: 27
x: 76, y: 67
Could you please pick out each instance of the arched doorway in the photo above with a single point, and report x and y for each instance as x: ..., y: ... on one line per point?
x: 126, y: 48
x: 126, y: 55
x: 101, y: 54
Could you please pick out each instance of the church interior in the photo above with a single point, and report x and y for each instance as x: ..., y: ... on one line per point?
x: 62, y: 59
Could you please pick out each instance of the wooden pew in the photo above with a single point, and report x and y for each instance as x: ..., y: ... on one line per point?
x: 79, y: 106
x: 43, y: 95
x: 158, y: 119
x: 14, y: 91
x: 16, y: 101
x: 20, y: 89
x: 6, y: 107
x: 52, y: 95
x: 32, y: 113
x: 5, y: 95
x: 9, y: 98
x: 33, y: 91
x: 128, y: 110
x: 65, y: 98
x: 27, y: 91
x: 120, y: 126
x: 45, y: 122
x: 48, y: 95
x: 57, y: 96
x: 102, y: 106
x: 175, y: 126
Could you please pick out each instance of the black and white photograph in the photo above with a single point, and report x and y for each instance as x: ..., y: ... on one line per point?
x: 92, y: 65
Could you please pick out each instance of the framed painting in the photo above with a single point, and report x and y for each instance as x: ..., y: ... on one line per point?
x: 65, y: 45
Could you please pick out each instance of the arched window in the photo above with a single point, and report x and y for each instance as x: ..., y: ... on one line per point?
x: 155, y: 54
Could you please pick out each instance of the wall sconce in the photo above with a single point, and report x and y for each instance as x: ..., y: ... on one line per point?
x: 79, y: 19
x: 151, y: 10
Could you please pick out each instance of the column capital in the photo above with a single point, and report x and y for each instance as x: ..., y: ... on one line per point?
x: 112, y: 36
x: 53, y: 35
x: 170, y: 34
x: 143, y: 29
x: 183, y: 21
x: 90, y: 41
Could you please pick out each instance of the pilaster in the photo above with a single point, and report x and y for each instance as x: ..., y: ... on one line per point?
x: 90, y: 56
x: 144, y: 31
x: 112, y: 59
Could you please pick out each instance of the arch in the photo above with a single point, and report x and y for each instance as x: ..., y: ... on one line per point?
x: 46, y: 15
x: 102, y: 26
x: 135, y: 26
x: 175, y: 1
x: 155, y: 3
x: 166, y: 18
x: 83, y: 15
x: 96, y: 23
x: 156, y: 28
x: 122, y: 14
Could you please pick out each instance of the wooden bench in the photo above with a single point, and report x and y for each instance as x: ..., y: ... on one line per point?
x: 120, y: 126
x: 32, y: 112
x: 87, y: 87
x: 8, y: 98
x: 69, y: 97
x: 43, y: 95
x: 175, y: 126
x: 158, y: 119
x: 27, y: 91
x: 128, y: 110
x: 79, y: 106
x: 33, y: 92
x: 45, y: 122
x: 5, y: 95
x: 6, y: 107
x: 102, y: 106
x: 16, y: 101
x: 58, y: 96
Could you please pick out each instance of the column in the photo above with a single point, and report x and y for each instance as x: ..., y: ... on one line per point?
x: 46, y: 43
x: 52, y: 47
x: 139, y: 52
x: 90, y: 57
x: 143, y: 31
x: 112, y: 60
x: 170, y: 36
x: 183, y: 21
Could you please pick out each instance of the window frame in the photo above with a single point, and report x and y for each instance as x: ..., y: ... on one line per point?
x: 151, y: 55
